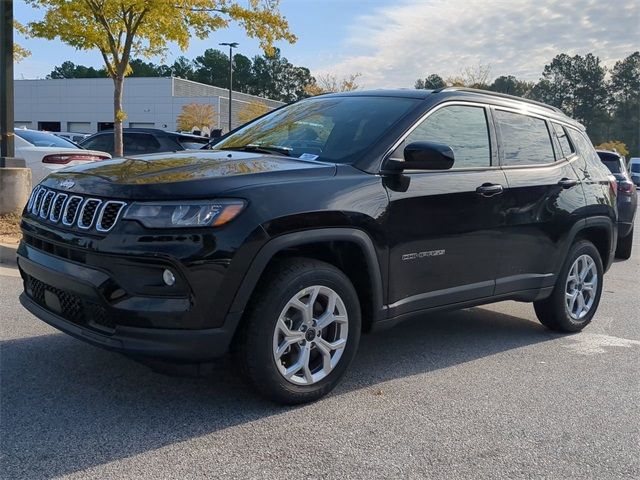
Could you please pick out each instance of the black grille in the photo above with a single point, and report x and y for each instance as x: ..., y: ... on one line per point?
x: 68, y: 305
x: 46, y: 204
x: 109, y: 215
x: 71, y: 210
x: 88, y: 213
x: 56, y: 210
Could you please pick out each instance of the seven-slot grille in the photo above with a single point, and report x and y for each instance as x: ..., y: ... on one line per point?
x: 75, y: 210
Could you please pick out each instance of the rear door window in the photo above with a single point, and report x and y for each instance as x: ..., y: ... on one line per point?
x: 102, y: 142
x: 140, y: 143
x: 524, y: 140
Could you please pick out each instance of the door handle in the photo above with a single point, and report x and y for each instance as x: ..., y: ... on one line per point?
x: 567, y: 183
x: 490, y: 189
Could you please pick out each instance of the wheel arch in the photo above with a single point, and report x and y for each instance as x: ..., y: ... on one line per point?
x: 348, y: 249
x: 599, y: 230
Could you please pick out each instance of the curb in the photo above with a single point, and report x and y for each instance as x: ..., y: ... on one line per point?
x: 8, y: 255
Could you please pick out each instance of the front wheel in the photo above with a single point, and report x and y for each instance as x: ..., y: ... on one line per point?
x: 576, y: 295
x: 301, y: 331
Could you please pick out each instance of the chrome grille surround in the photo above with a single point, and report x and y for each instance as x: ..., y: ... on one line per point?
x: 57, y: 207
x: 108, y: 216
x: 85, y: 213
x: 88, y: 213
x: 45, y: 205
x: 72, y: 206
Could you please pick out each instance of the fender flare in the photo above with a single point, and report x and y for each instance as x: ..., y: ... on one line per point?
x: 600, y: 222
x: 277, y: 244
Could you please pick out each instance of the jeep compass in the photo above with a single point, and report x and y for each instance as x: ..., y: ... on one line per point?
x: 332, y: 216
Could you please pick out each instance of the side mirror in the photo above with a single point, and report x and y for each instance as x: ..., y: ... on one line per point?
x: 423, y: 156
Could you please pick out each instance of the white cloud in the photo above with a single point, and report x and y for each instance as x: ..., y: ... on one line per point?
x: 394, y: 45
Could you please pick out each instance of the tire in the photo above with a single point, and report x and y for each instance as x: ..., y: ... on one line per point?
x: 553, y: 312
x: 262, y: 336
x: 625, y: 244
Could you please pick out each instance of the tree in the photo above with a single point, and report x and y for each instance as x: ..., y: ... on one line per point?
x: 277, y: 78
x: 118, y: 28
x: 71, y: 70
x: 183, y: 68
x: 330, y: 83
x: 511, y: 85
x: 196, y: 115
x: 252, y: 110
x: 577, y: 86
x: 615, y: 145
x: 625, y: 101
x: 432, y: 82
x: 19, y: 53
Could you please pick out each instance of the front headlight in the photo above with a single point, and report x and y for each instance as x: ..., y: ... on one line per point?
x: 203, y: 213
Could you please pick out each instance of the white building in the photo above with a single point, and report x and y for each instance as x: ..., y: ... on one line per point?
x: 85, y: 105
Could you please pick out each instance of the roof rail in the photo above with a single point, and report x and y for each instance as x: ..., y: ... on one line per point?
x: 500, y: 95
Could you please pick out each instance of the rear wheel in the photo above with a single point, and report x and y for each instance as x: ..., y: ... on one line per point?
x: 301, y: 332
x: 623, y: 250
x: 576, y: 296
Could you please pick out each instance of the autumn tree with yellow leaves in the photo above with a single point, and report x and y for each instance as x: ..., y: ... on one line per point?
x: 252, y: 110
x: 119, y: 29
x: 19, y: 53
x: 196, y: 115
x: 330, y: 83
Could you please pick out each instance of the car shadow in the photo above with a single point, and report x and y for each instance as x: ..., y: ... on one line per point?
x: 67, y: 406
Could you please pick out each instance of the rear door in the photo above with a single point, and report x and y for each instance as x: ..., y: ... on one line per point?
x: 542, y: 203
x: 443, y: 226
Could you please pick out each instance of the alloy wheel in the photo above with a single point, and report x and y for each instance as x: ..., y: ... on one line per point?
x: 581, y: 287
x: 310, y: 335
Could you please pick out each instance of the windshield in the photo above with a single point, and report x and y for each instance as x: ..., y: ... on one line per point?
x: 334, y: 129
x: 635, y: 167
x: 42, y: 139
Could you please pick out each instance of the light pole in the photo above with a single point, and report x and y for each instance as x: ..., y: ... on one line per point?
x: 231, y: 46
x: 6, y: 81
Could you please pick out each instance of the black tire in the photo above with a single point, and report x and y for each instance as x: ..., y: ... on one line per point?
x: 625, y: 244
x: 552, y: 311
x: 255, y: 342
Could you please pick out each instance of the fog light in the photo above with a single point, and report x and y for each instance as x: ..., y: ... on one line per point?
x: 169, y: 278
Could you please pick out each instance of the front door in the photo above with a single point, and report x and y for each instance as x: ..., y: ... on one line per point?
x: 444, y: 226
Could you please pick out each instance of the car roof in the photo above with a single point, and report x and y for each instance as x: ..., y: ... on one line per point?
x: 468, y: 94
x: 153, y: 131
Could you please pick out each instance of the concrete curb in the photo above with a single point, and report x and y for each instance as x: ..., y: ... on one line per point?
x: 8, y: 255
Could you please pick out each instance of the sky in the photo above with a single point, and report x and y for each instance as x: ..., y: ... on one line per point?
x: 392, y: 43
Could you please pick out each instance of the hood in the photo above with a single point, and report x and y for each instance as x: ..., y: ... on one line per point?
x: 187, y: 174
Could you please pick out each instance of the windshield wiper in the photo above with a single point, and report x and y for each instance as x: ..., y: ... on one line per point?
x: 271, y: 149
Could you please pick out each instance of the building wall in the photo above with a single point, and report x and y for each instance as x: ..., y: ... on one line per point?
x: 81, y: 104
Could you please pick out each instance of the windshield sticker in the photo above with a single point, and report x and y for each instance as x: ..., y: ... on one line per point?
x: 308, y: 156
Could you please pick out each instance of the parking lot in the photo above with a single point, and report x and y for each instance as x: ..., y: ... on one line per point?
x: 483, y: 392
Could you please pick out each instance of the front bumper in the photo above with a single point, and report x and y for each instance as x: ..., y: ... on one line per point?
x: 180, y: 345
x: 90, y: 303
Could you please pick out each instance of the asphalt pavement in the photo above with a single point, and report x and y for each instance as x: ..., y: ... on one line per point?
x: 479, y: 393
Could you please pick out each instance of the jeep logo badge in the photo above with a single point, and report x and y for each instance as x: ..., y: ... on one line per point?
x: 66, y: 184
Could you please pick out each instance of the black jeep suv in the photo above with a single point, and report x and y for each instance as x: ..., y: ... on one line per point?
x: 328, y: 217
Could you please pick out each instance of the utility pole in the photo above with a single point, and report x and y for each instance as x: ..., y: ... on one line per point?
x: 15, y: 180
x: 231, y: 46
x: 6, y: 81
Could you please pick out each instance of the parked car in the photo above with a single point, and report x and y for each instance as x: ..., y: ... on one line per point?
x: 329, y: 217
x: 45, y: 152
x: 138, y: 141
x: 627, y: 200
x: 634, y: 169
x: 73, y: 136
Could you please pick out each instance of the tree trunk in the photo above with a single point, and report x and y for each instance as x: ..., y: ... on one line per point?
x: 118, y: 115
